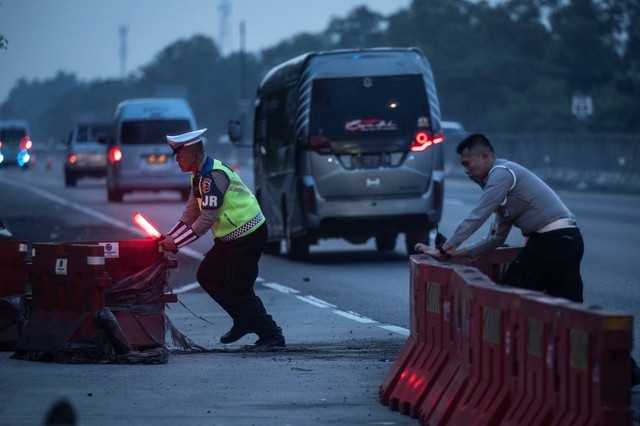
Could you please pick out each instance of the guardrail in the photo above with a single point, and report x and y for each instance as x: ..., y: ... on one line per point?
x: 584, y: 161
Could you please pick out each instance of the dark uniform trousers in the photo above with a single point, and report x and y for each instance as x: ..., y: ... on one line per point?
x: 228, y: 273
x: 550, y: 262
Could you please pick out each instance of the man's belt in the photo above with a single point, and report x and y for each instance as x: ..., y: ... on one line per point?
x: 557, y: 224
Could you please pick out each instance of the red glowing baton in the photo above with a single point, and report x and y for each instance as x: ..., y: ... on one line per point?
x: 147, y: 227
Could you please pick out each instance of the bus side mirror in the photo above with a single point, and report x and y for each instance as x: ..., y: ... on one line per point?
x: 234, y: 130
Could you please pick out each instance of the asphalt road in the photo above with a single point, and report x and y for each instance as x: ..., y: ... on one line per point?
x: 354, y: 277
x: 345, y: 303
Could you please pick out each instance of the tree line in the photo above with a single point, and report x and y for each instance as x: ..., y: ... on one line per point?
x: 513, y: 66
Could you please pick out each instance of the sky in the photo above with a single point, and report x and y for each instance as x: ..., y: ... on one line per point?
x: 83, y: 37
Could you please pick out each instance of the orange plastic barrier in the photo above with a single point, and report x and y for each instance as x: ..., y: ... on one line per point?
x: 438, y: 404
x: 493, y: 318
x: 12, y: 319
x: 142, y: 321
x: 426, y: 350
x: 125, y: 258
x: 13, y: 287
x: 75, y: 299
x: 492, y: 264
x: 13, y: 268
x: 68, y: 282
x: 496, y: 355
x: 594, y: 356
x: 537, y: 369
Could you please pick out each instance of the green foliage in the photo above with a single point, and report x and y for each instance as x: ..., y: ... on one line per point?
x: 361, y: 28
x: 508, y: 67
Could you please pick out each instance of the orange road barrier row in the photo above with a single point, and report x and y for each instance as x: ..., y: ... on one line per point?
x: 81, y: 290
x: 493, y: 264
x: 486, y: 354
x: 68, y: 284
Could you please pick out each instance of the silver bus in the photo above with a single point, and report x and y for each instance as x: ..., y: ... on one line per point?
x: 347, y: 144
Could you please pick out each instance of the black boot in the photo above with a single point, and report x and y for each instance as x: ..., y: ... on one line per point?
x: 235, y: 334
x: 273, y: 340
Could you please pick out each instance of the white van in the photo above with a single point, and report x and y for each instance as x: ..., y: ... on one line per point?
x: 139, y: 158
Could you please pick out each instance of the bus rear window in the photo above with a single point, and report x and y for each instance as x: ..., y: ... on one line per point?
x: 149, y: 132
x: 369, y: 107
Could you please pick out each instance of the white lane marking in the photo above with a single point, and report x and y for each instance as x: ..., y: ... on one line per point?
x: 322, y: 302
x: 278, y: 287
x: 395, y: 329
x: 355, y: 316
x: 100, y: 216
x: 186, y: 288
x: 196, y: 255
x: 316, y: 302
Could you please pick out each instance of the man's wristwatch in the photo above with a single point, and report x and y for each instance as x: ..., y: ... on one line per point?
x: 441, y: 250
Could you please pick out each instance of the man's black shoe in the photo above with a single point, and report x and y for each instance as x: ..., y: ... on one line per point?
x: 233, y: 335
x: 275, y: 340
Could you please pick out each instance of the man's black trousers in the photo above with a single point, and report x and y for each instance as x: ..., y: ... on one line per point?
x: 550, y: 262
x: 228, y: 273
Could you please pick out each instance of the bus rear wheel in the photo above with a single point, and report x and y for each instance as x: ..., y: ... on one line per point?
x: 415, y: 236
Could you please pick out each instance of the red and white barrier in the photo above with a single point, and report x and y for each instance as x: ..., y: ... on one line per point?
x: 486, y: 354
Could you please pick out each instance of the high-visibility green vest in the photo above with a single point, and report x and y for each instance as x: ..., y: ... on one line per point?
x: 240, y: 212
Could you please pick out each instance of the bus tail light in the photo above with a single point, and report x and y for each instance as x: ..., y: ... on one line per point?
x: 320, y: 144
x: 422, y: 141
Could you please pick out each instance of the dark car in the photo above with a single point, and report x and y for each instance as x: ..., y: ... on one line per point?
x: 86, y: 152
x: 15, y: 143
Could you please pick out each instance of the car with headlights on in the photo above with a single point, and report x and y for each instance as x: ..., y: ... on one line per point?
x: 86, y: 154
x: 15, y: 143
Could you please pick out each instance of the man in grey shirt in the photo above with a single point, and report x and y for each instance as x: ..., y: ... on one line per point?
x: 550, y: 259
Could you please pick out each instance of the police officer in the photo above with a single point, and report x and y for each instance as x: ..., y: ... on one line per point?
x: 550, y: 260
x: 220, y: 202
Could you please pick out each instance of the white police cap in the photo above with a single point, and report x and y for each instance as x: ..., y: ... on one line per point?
x: 178, y: 142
